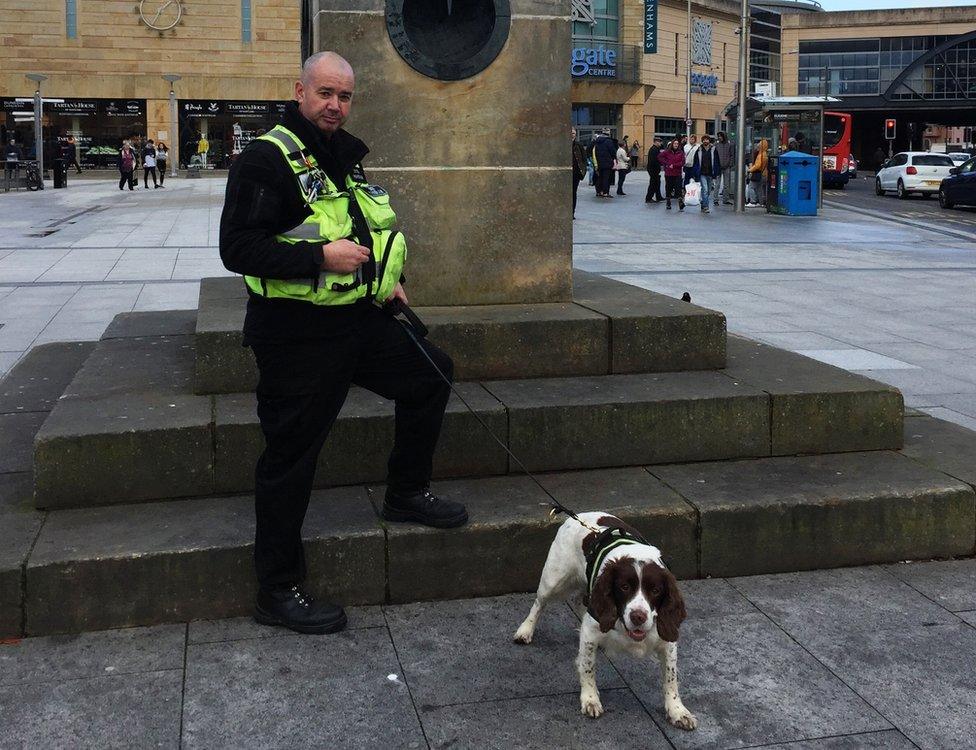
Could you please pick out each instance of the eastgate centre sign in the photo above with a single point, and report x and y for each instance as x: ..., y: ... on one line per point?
x: 595, y: 63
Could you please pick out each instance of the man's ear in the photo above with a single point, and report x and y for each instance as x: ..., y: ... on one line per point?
x: 299, y: 91
x: 671, y: 612
x: 602, y: 603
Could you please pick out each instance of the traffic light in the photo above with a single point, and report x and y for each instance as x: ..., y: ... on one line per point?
x: 890, y: 129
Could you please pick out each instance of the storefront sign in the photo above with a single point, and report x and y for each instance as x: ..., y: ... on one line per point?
x: 124, y: 107
x: 594, y: 63
x: 74, y: 107
x: 247, y: 110
x: 704, y: 83
x: 650, y: 27
x: 200, y: 108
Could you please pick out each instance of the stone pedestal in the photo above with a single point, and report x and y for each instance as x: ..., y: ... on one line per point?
x: 478, y: 168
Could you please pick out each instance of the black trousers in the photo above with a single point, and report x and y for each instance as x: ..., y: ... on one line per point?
x: 301, y: 389
x: 161, y: 164
x: 654, y: 187
x: 604, y: 181
x: 146, y: 171
x: 125, y: 179
x: 673, y: 188
x: 621, y: 176
x: 576, y: 182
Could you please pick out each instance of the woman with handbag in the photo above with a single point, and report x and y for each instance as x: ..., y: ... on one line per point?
x: 622, y: 166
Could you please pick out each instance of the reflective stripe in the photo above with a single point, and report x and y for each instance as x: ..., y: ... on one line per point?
x: 304, y: 232
x: 285, y: 139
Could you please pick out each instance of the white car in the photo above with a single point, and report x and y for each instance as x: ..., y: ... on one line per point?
x: 959, y: 157
x: 913, y: 172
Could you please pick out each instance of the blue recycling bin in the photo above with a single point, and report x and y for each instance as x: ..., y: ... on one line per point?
x: 797, y: 184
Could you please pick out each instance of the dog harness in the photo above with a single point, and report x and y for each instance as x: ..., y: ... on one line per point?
x: 608, y: 540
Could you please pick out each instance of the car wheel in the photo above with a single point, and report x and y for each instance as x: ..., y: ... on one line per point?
x: 902, y: 193
x: 878, y: 190
x: 944, y: 200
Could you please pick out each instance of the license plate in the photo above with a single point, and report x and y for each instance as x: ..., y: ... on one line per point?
x: 933, y: 183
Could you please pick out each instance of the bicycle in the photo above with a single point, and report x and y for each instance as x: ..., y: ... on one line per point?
x: 33, y: 176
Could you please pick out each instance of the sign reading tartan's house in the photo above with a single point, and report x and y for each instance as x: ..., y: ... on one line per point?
x: 650, y: 27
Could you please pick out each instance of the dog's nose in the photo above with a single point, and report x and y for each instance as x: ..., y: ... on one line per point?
x: 638, y: 617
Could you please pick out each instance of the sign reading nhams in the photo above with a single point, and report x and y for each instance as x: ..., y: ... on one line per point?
x: 650, y: 27
x: 591, y: 62
x: 704, y: 83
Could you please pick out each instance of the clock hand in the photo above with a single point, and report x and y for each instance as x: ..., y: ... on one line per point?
x: 162, y: 7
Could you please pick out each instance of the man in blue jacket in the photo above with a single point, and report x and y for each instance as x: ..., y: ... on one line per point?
x: 605, y: 153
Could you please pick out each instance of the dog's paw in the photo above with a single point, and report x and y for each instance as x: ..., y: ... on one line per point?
x: 523, y: 635
x: 590, y: 705
x: 682, y: 718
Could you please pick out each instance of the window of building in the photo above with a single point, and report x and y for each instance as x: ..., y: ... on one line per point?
x: 245, y: 20
x: 71, y: 18
x: 668, y: 127
x: 588, y: 119
x: 848, y: 67
x: 764, y: 48
x: 607, y: 26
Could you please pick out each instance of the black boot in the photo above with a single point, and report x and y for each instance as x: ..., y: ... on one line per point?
x: 296, y: 610
x: 424, y: 507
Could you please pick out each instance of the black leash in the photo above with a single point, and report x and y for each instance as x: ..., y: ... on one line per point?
x: 415, y: 327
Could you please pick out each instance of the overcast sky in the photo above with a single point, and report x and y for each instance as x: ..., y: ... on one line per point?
x: 879, y: 4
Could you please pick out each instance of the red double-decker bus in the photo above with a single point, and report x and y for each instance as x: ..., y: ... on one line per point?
x: 838, y: 162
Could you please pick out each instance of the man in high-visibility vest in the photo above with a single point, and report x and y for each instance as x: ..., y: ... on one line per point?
x: 316, y: 243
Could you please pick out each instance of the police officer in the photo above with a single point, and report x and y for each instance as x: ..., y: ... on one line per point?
x: 317, y: 246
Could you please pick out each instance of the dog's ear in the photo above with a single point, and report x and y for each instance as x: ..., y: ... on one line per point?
x: 603, y: 606
x: 671, y: 611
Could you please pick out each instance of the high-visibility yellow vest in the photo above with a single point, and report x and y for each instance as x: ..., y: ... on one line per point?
x: 329, y: 221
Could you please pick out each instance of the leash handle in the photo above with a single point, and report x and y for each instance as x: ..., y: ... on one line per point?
x: 414, y: 328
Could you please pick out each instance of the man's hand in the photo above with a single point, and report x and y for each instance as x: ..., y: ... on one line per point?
x: 343, y: 256
x: 399, y: 294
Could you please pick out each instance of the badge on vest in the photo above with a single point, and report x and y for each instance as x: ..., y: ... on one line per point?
x: 357, y: 174
x: 313, y: 184
x: 374, y: 191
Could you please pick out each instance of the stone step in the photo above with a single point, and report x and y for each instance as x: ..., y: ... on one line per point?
x: 611, y: 327
x: 129, y: 427
x: 119, y: 566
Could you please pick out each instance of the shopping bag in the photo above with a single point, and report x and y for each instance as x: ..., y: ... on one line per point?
x: 692, y: 194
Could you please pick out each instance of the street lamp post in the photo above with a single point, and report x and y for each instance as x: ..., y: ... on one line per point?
x: 740, y: 124
x: 38, y: 128
x: 172, y: 78
x: 688, y: 80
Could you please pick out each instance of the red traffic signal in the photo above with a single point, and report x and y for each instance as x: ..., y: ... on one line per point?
x: 890, y: 129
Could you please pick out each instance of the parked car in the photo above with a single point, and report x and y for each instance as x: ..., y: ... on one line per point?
x: 959, y: 157
x: 960, y: 186
x: 913, y: 172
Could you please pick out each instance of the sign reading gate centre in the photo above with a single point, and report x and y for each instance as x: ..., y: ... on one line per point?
x: 598, y: 62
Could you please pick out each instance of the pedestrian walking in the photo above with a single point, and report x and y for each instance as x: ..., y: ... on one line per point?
x: 604, y: 153
x: 756, y: 193
x: 654, y: 173
x: 634, y: 154
x: 879, y: 157
x: 726, y: 160
x: 691, y: 150
x: 71, y: 154
x: 149, y: 164
x: 162, y: 156
x: 709, y: 170
x: 127, y: 165
x: 621, y: 166
x: 579, y: 167
x: 672, y: 161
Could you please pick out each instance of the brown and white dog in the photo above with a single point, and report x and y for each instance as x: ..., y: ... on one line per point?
x: 634, y: 607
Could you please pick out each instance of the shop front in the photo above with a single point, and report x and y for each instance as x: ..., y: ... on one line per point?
x: 213, y: 132
x: 98, y: 127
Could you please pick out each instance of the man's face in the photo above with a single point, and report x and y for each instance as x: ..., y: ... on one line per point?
x: 326, y: 96
x: 573, y: 132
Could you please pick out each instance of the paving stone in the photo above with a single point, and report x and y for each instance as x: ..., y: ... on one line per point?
x: 713, y: 597
x: 817, y: 408
x: 503, y: 546
x: 840, y: 601
x: 359, y: 444
x: 969, y: 617
x: 543, y: 723
x: 890, y: 740
x: 155, y: 323
x: 38, y: 380
x: 289, y: 689
x: 462, y: 652
x: 749, y: 684
x: 943, y: 446
x: 951, y: 583
x: 19, y: 526
x: 920, y: 678
x: 124, y: 711
x: 785, y: 514
x: 245, y: 628
x: 97, y: 568
x: 106, y: 653
x: 17, y: 433
x: 651, y: 332
x: 627, y: 420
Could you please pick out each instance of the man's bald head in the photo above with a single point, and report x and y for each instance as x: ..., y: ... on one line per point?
x: 324, y: 92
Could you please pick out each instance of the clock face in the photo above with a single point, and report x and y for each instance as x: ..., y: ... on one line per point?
x: 448, y: 39
x: 161, y: 15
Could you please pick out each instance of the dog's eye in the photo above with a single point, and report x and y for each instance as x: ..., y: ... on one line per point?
x: 655, y: 590
x: 625, y: 587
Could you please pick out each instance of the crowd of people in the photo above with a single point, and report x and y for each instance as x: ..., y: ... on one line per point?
x: 152, y: 156
x: 704, y: 169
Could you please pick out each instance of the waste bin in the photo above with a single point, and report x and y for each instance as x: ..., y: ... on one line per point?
x: 60, y: 170
x: 797, y: 184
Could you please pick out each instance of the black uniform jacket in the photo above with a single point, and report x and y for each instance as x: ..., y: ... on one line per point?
x: 263, y: 200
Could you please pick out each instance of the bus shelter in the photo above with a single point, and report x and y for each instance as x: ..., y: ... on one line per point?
x: 786, y: 123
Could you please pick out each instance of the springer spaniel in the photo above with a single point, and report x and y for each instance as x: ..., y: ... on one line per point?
x: 634, y: 605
